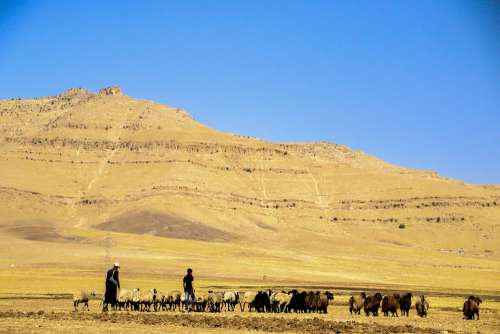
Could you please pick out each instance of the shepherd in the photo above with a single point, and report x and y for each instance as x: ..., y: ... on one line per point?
x: 187, y: 283
x: 112, y: 286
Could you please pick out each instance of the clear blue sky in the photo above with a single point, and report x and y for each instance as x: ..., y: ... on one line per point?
x: 416, y: 83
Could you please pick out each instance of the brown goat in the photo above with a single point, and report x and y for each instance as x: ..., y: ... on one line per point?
x: 405, y: 304
x: 371, y: 304
x: 356, y: 303
x: 390, y: 304
x: 471, y: 308
x: 323, y: 301
x: 422, y: 306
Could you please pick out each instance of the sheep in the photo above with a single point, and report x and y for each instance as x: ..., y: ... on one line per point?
x: 272, y: 300
x: 405, y: 304
x: 146, y: 299
x: 310, y: 301
x: 471, y: 308
x: 183, y: 302
x: 164, y: 303
x: 315, y: 301
x: 173, y: 300
x: 322, y: 302
x: 248, y: 299
x: 201, y: 302
x: 82, y: 297
x: 159, y: 302
x: 390, y: 304
x: 136, y: 299
x: 125, y: 299
x: 274, y: 303
x: 230, y: 299
x: 210, y: 301
x: 262, y: 303
x: 123, y: 295
x: 297, y: 301
x: 422, y: 306
x: 214, y: 301
x: 371, y: 304
x: 280, y: 301
x: 356, y: 303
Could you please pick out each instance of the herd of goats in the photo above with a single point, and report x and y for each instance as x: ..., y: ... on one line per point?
x: 268, y: 301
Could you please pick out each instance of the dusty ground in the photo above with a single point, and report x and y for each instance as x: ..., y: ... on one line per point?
x: 48, y: 315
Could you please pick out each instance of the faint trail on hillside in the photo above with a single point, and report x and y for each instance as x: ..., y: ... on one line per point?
x: 262, y: 183
x: 319, y: 198
x: 276, y: 213
x: 103, y: 164
x: 110, y: 154
x: 73, y: 212
x: 108, y: 241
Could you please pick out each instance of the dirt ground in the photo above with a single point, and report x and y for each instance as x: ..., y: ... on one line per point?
x: 54, y: 315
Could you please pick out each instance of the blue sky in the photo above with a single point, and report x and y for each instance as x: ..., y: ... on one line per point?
x: 416, y: 83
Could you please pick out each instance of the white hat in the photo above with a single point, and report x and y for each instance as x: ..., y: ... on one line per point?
x: 116, y: 265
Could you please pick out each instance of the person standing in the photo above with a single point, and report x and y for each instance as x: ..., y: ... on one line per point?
x: 187, y: 282
x: 112, y: 286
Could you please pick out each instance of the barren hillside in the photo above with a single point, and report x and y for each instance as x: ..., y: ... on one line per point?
x: 88, y: 178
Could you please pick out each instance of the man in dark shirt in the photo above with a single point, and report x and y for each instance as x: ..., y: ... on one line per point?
x: 112, y: 286
x: 188, y: 288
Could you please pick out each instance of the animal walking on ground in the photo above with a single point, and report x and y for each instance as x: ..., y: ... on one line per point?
x: 126, y: 299
x: 280, y: 301
x: 405, y: 304
x: 390, y: 304
x: 371, y: 304
x: 422, y: 307
x: 214, y: 301
x: 248, y: 300
x: 146, y: 300
x: 297, y: 301
x: 173, y: 300
x: 356, y: 303
x: 262, y: 302
x: 230, y: 299
x: 471, y: 308
x: 322, y: 302
x: 82, y: 297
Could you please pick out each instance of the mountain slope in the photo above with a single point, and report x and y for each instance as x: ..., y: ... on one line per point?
x: 80, y: 169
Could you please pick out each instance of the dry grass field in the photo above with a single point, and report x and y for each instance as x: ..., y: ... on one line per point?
x: 88, y: 179
x: 49, y: 314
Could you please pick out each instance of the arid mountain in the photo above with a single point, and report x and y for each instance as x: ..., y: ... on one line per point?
x: 86, y: 178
